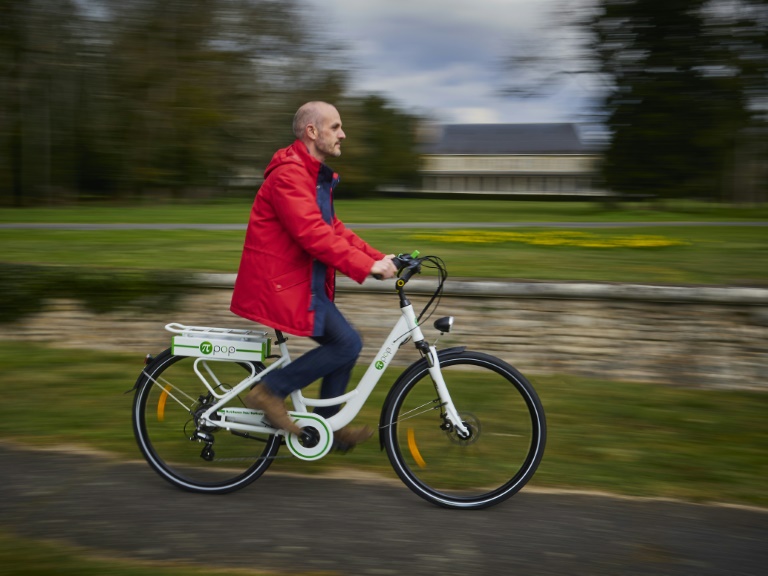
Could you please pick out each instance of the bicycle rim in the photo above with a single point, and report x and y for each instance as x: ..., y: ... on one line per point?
x: 506, y: 445
x: 168, y: 395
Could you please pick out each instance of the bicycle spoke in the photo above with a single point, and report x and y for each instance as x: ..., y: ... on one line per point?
x: 410, y: 413
x: 167, y: 387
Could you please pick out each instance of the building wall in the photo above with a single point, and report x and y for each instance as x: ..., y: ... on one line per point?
x: 514, y: 174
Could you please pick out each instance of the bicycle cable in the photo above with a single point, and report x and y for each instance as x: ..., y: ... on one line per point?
x: 438, y: 264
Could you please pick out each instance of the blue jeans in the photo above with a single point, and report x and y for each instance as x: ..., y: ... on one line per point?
x: 333, y: 360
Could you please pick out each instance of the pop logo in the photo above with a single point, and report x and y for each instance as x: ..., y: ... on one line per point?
x: 380, y: 363
x: 208, y: 348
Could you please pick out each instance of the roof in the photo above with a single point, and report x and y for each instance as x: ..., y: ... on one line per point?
x: 501, y: 139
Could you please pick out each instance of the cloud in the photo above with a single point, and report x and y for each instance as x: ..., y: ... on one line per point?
x: 499, y: 14
x: 443, y: 57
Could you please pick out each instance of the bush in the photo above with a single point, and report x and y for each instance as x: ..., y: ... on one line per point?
x: 26, y: 288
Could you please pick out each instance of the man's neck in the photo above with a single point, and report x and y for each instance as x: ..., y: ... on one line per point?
x: 314, y: 152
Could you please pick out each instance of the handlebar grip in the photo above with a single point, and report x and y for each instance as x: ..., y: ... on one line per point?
x: 400, y: 261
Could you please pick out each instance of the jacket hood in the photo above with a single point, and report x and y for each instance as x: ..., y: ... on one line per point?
x: 296, y: 153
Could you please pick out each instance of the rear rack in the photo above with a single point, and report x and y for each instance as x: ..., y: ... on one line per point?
x: 219, y: 343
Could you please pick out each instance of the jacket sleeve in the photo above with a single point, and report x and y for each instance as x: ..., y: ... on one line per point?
x: 355, y: 240
x: 296, y: 206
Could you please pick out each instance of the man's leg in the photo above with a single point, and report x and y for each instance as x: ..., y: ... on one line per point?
x: 333, y: 360
x: 341, y: 341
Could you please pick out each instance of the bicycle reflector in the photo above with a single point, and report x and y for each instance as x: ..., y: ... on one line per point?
x: 415, y: 449
x: 161, y: 403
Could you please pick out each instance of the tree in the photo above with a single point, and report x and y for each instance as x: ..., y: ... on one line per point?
x: 680, y: 98
x: 37, y: 97
x: 682, y: 83
x: 168, y: 78
x: 109, y: 98
x: 382, y: 150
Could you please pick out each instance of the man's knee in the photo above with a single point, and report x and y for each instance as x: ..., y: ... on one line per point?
x: 342, y: 337
x: 352, y: 344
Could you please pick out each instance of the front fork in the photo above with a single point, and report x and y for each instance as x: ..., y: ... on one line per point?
x: 450, y: 412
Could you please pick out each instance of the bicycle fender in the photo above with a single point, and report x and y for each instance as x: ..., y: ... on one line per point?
x: 148, y: 361
x: 419, y: 365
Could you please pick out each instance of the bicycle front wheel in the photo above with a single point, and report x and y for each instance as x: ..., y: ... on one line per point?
x: 168, y: 397
x: 502, y: 412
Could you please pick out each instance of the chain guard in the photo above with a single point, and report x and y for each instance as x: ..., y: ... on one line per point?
x: 321, y: 437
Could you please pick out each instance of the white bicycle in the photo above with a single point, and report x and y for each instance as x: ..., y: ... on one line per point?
x: 462, y: 429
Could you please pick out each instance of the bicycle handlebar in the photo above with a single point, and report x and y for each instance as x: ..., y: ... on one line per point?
x: 408, y: 262
x: 407, y: 265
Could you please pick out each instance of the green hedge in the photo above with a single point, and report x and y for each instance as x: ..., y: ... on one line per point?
x: 25, y: 289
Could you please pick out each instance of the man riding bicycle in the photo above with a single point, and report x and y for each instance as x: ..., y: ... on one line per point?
x: 293, y: 247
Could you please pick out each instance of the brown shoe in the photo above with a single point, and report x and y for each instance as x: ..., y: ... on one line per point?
x: 260, y: 398
x: 347, y: 438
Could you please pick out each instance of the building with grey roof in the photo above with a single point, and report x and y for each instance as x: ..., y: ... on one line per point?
x: 509, y: 159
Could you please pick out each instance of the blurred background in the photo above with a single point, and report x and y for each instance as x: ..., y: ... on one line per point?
x: 103, y: 99
x: 493, y: 133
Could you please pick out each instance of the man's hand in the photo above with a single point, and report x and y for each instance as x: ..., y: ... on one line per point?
x: 384, y: 268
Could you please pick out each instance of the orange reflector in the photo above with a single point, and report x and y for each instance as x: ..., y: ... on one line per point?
x: 415, y: 449
x: 161, y: 403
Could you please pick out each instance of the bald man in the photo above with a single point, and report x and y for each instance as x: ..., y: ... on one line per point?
x: 294, y: 245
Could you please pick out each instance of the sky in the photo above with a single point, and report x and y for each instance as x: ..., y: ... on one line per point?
x: 445, y: 58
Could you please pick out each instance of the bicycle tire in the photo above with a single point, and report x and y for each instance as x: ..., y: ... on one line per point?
x: 503, y: 412
x: 168, y: 393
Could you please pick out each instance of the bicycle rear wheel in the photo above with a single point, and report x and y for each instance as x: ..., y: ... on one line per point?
x: 168, y: 395
x: 505, y: 418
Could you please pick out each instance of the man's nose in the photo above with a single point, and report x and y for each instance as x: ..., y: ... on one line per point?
x: 342, y: 135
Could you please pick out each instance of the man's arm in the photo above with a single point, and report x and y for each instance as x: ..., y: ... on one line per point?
x: 296, y: 206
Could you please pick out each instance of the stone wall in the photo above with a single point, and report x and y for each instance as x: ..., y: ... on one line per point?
x: 703, y: 337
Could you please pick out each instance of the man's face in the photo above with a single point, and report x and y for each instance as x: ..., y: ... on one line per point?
x: 329, y: 134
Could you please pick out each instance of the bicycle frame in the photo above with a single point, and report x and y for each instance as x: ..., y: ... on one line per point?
x: 245, y: 420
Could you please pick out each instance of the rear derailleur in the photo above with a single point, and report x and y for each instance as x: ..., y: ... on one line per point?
x: 203, y: 432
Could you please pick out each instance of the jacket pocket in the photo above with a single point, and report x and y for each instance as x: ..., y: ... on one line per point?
x: 290, y: 279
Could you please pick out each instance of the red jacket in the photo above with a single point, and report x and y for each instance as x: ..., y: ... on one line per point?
x: 292, y: 228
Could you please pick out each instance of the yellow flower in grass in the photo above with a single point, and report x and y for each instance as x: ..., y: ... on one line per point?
x: 550, y: 238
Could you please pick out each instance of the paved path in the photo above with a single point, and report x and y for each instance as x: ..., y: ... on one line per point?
x: 362, y: 226
x: 304, y: 524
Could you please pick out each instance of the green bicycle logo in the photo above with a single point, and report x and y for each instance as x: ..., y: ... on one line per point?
x: 206, y: 347
x: 381, y: 362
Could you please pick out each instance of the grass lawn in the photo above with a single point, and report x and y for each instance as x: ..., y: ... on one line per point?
x: 687, y: 255
x: 397, y: 210
x: 722, y: 255
x: 24, y: 557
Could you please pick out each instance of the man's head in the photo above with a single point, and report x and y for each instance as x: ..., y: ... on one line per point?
x: 318, y: 125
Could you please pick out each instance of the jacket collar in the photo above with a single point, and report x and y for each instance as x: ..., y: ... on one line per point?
x: 309, y: 161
